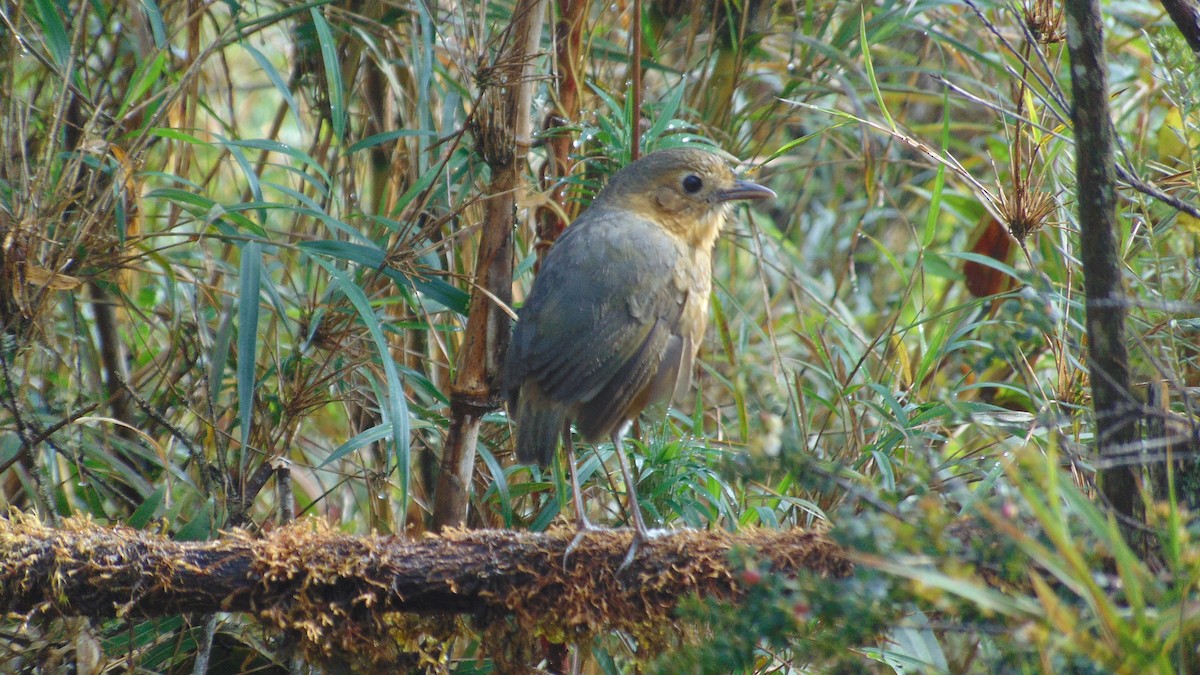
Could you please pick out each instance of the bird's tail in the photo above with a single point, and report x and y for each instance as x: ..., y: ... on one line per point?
x: 539, y: 423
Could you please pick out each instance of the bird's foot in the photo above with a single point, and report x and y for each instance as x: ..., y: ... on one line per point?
x: 584, y: 528
x: 640, y: 536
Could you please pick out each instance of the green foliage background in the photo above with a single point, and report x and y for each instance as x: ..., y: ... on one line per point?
x: 241, y: 237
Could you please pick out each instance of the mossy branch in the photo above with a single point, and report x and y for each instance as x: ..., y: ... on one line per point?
x: 306, y: 578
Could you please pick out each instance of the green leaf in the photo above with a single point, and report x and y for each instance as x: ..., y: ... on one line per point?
x: 219, y: 356
x: 284, y: 149
x: 395, y: 407
x: 499, y: 483
x: 666, y: 115
x: 251, y: 178
x: 276, y: 79
x: 373, y: 435
x: 54, y: 32
x: 147, y: 74
x: 227, y: 221
x: 939, y: 181
x: 865, y: 45
x: 141, y: 634
x: 144, y: 513
x: 158, y: 29
x: 377, y: 139
x: 333, y: 73
x: 249, y: 284
x: 177, y: 135
x: 1013, y: 606
x: 199, y: 528
x: 372, y: 257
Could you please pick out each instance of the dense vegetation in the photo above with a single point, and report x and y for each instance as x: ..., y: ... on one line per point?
x: 239, y: 243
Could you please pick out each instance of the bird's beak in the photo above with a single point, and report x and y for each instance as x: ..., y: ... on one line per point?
x: 744, y: 189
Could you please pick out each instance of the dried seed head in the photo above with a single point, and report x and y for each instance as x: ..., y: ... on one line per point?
x: 1044, y: 19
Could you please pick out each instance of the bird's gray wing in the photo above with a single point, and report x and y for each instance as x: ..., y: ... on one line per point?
x: 601, y: 317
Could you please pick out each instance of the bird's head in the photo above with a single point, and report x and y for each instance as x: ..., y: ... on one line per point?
x: 686, y: 190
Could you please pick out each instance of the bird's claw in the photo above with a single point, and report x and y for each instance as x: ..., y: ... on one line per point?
x: 639, y: 536
x: 632, y: 552
x: 584, y: 529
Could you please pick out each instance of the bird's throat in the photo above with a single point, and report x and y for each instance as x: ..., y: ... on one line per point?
x: 699, y: 232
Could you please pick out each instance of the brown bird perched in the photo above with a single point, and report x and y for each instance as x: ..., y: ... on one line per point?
x: 618, y: 311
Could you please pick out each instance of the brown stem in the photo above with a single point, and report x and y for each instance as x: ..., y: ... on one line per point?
x: 503, y: 132
x: 635, y: 149
x: 113, y: 360
x: 240, y: 504
x: 1186, y: 16
x: 1115, y: 408
x: 568, y: 31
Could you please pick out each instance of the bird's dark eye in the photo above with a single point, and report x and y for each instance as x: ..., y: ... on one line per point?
x: 692, y: 183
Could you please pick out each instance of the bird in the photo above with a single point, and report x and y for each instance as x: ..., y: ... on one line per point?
x: 614, y: 319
